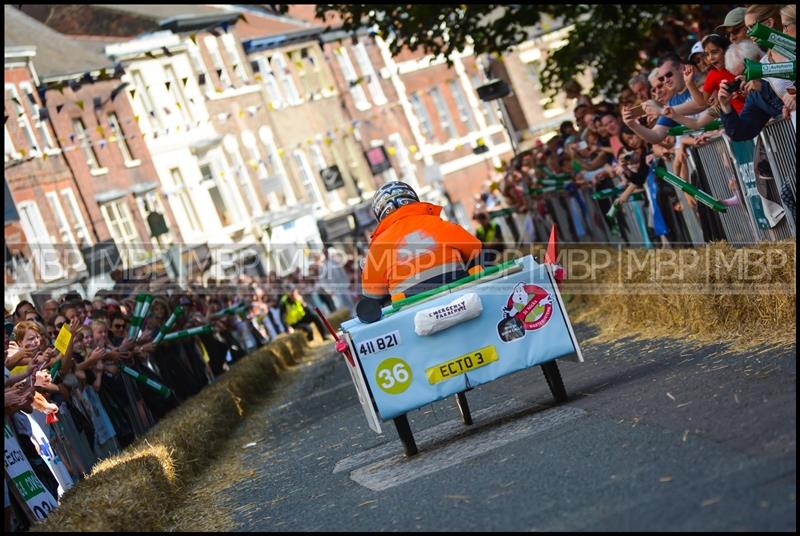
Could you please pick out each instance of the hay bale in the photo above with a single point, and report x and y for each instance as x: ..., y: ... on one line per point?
x: 715, y: 293
x: 112, y: 497
x: 135, y: 491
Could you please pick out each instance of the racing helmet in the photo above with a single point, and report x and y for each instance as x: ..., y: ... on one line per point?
x: 392, y: 196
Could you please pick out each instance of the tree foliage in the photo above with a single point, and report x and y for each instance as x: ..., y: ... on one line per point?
x: 607, y: 39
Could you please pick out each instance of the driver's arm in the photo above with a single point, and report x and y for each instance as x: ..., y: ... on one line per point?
x: 374, y: 283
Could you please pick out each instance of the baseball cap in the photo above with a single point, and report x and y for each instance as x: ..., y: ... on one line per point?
x: 697, y: 48
x: 735, y: 17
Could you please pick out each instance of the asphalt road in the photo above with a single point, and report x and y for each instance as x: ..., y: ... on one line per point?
x: 656, y: 435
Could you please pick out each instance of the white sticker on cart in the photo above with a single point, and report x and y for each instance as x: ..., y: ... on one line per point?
x: 429, y: 321
x: 379, y: 343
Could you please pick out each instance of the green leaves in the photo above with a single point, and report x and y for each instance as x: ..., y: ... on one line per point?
x: 605, y: 40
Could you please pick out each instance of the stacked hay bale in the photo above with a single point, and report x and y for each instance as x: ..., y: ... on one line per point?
x: 716, y: 293
x: 136, y: 490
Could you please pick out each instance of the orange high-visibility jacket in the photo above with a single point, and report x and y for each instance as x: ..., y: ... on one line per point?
x: 414, y: 245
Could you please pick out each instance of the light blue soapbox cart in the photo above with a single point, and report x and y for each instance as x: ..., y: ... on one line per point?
x: 448, y: 340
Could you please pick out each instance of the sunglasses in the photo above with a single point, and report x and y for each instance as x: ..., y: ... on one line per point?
x: 737, y: 29
x: 666, y: 76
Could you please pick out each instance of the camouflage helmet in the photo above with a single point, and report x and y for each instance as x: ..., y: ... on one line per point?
x: 392, y: 196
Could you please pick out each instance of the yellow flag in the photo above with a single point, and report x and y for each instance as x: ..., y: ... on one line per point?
x: 62, y: 341
x: 391, y: 151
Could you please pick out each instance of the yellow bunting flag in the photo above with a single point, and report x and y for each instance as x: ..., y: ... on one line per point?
x: 391, y: 151
x: 412, y: 148
x: 280, y: 151
x: 80, y: 104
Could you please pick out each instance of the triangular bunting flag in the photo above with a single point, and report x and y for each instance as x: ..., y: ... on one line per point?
x: 193, y: 37
x: 166, y: 51
x: 133, y: 93
x: 167, y: 83
x: 242, y: 18
x: 184, y: 80
x: 80, y: 104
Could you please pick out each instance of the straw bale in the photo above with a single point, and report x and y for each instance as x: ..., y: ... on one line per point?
x: 742, y: 296
x: 137, y: 489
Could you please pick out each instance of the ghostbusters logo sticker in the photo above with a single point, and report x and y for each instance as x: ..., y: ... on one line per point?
x: 529, y: 308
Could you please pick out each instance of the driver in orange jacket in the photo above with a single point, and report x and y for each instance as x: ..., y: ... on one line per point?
x: 412, y: 249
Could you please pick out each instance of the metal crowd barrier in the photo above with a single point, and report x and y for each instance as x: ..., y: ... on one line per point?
x: 716, y: 166
x: 780, y: 142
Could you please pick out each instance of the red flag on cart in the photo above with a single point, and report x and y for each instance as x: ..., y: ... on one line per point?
x: 550, y: 256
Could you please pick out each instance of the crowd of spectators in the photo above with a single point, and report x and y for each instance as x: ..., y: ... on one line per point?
x: 618, y: 142
x: 73, y: 408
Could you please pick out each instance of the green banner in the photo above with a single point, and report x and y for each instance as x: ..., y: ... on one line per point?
x: 743, y: 154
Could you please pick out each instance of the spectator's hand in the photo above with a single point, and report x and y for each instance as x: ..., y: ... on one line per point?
x: 17, y: 397
x: 17, y: 356
x: 651, y: 107
x: 649, y: 159
x: 667, y: 111
x: 724, y: 97
x: 789, y: 103
x: 128, y: 344
x: 752, y: 85
x: 688, y: 74
x: 97, y: 353
x: 74, y: 325
x: 147, y: 348
x: 627, y: 116
x: 43, y: 378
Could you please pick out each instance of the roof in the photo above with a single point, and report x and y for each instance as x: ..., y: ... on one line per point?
x: 159, y: 12
x: 56, y: 54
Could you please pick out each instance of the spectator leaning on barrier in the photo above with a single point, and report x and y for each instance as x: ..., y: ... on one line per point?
x: 761, y: 103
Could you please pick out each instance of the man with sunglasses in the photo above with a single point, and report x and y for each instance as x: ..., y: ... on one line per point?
x: 733, y: 26
x: 669, y: 69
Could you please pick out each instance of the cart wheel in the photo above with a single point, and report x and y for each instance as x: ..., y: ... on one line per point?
x: 406, y: 436
x: 463, y: 408
x: 553, y: 377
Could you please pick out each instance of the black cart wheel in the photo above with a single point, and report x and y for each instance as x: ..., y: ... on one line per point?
x: 553, y: 377
x: 406, y: 436
x: 463, y: 408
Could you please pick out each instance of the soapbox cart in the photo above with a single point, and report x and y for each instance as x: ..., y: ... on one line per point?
x: 448, y: 340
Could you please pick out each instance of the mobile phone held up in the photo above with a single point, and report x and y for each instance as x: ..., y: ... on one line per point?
x: 734, y: 85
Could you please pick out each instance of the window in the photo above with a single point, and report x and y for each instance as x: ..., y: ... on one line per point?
x: 422, y: 115
x: 445, y: 119
x: 232, y: 148
x: 10, y: 152
x: 307, y: 71
x: 216, y: 58
x: 61, y: 218
x: 264, y: 73
x: 86, y: 144
x: 197, y: 62
x: 222, y: 202
x: 185, y: 199
x: 488, y: 112
x: 275, y: 166
x: 119, y: 135
x: 464, y: 112
x: 120, y: 224
x: 81, y: 231
x: 307, y: 178
x: 22, y: 118
x: 285, y: 76
x: 407, y: 169
x: 373, y: 80
x: 41, y: 125
x: 151, y: 202
x: 236, y: 60
x: 143, y: 91
x: 350, y: 76
x: 176, y: 90
x: 39, y: 241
